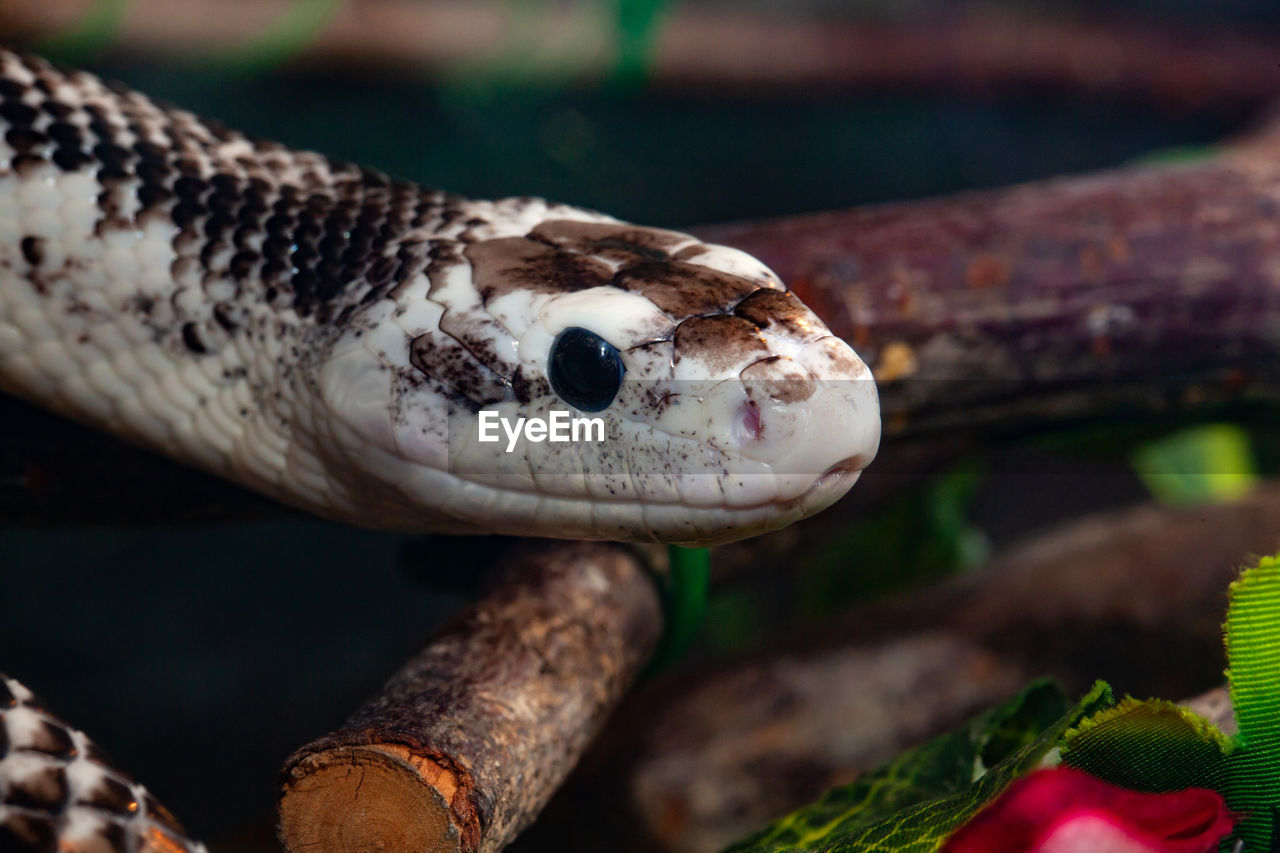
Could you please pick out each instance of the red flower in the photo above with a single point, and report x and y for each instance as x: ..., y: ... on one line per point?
x: 1068, y: 811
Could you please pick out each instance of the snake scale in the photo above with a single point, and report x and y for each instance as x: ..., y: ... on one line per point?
x: 328, y: 336
x: 331, y: 337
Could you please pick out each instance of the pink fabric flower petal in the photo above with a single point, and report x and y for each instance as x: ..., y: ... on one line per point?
x: 1090, y: 832
x: 1056, y: 811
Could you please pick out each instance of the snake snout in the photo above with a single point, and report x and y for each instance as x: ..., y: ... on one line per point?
x: 749, y: 425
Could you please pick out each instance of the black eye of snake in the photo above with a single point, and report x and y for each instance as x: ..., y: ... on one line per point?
x: 585, y: 370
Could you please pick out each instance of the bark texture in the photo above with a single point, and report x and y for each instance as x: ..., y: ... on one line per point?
x: 468, y: 740
x: 1145, y: 290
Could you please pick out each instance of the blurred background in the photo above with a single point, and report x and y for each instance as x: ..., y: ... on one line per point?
x: 200, y: 655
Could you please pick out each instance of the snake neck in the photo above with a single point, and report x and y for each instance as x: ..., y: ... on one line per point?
x: 185, y: 286
x: 177, y: 283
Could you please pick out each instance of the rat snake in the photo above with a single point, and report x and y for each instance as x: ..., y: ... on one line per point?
x: 330, y: 337
x: 333, y: 338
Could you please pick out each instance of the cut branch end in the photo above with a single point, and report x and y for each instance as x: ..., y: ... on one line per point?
x: 371, y: 798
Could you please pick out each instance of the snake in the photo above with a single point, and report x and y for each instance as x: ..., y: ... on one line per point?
x: 336, y: 339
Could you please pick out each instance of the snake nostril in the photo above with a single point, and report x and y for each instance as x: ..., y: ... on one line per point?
x: 749, y: 424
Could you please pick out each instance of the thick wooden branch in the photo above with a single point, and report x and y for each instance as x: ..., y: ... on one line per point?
x: 699, y: 759
x: 466, y: 743
x: 1146, y: 290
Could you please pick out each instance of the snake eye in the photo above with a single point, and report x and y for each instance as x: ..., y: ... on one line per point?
x: 585, y: 370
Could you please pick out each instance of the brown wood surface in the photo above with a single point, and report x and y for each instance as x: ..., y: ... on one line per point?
x: 465, y: 744
x: 1141, y: 291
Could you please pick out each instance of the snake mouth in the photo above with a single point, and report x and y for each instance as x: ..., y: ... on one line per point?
x: 851, y: 465
x: 833, y: 483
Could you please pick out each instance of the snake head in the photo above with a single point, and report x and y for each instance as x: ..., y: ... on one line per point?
x: 711, y: 403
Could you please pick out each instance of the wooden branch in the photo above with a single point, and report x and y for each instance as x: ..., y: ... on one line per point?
x: 974, y: 48
x: 1146, y: 290
x: 466, y: 743
x: 703, y: 757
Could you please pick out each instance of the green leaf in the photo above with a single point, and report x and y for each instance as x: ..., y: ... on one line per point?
x: 914, y: 802
x: 1149, y: 746
x: 95, y: 29
x: 1252, y: 785
x: 1202, y: 464
x: 685, y: 603
x: 1155, y: 746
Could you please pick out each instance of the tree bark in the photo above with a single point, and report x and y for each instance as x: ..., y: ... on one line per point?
x: 1145, y: 290
x: 468, y: 740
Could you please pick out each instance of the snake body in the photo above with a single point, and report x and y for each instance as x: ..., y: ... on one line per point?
x: 328, y: 336
x: 58, y: 791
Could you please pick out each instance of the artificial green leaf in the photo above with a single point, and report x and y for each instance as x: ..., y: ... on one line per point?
x: 1155, y: 746
x: 1252, y: 785
x: 686, y: 603
x: 915, y: 801
x: 1149, y: 746
x: 1202, y: 464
